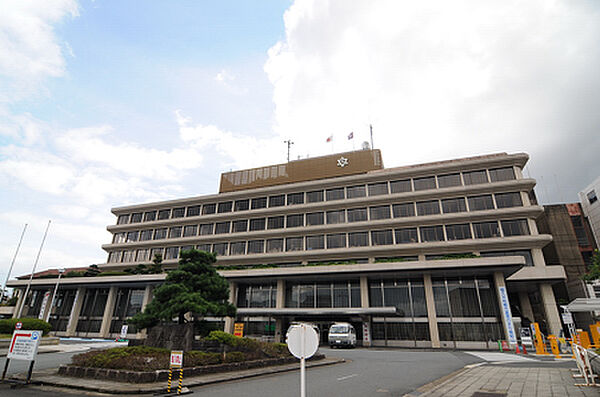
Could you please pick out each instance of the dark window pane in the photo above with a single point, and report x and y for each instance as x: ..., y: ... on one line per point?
x: 315, y: 242
x: 146, y: 235
x: 355, y: 191
x: 208, y: 209
x: 516, y: 227
x: 296, y: 220
x: 203, y: 247
x: 172, y: 253
x: 480, y: 203
x: 136, y: 217
x: 220, y: 249
x: 242, y: 205
x: 382, y: 237
x: 424, y: 183
x: 159, y: 234
x: 295, y: 198
x: 258, y: 203
x: 257, y: 224
x: 256, y: 246
x: 240, y: 226
x: 123, y: 219
x: 401, y: 186
x: 449, y: 180
x: 359, y: 239
x: 190, y: 230
x: 380, y: 212
x: 275, y: 245
x: 502, y: 174
x: 403, y: 210
x: 450, y: 206
x: 336, y: 240
x: 149, y: 216
x: 277, y: 201
x: 440, y: 297
x: 314, y: 197
x: 294, y: 244
x: 237, y: 248
x: 458, y: 232
x: 475, y: 177
x: 175, y: 232
x: 206, y: 228
x: 486, y: 229
x: 164, y: 214
x: 376, y: 189
x: 178, y: 212
x: 432, y: 233
x: 335, y: 194
x: 132, y: 236
x: 406, y: 236
x: 222, y: 227
x: 225, y: 207
x: 428, y: 207
x: 357, y: 214
x: 275, y: 222
x: 375, y: 294
x: 315, y: 218
x: 507, y: 200
x: 193, y: 211
x: 336, y: 217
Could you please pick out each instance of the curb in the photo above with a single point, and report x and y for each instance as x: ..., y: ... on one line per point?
x: 111, y: 387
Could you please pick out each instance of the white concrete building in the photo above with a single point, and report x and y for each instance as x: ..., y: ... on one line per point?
x: 591, y: 207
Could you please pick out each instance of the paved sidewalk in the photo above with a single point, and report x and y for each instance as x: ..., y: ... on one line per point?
x: 50, y: 378
x: 509, y: 380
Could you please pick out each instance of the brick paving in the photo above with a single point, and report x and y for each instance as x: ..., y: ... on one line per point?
x: 511, y: 381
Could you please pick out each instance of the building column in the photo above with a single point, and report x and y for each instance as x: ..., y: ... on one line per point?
x: 526, y: 309
x: 279, y: 304
x: 109, y: 309
x: 434, y: 333
x: 538, y: 257
x: 364, y: 292
x: 229, y: 321
x: 20, y: 301
x: 550, y: 309
x: 504, y: 304
x: 75, y: 311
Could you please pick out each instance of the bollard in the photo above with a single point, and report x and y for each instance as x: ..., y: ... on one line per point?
x: 169, y: 382
x: 595, y: 332
x: 180, y: 381
x: 584, y: 339
x: 554, y: 346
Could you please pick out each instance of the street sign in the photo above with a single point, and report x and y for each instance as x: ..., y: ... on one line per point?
x: 18, y: 325
x: 24, y: 345
x: 124, y: 329
x: 176, y: 358
x: 366, y: 333
x: 508, y: 322
x: 238, y: 329
x: 567, y: 318
x: 303, y: 342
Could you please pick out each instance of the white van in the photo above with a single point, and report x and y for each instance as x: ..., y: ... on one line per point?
x: 342, y: 334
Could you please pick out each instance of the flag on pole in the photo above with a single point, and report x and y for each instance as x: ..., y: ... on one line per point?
x: 329, y: 138
x: 351, y: 135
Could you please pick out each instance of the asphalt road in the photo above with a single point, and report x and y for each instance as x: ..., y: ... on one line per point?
x: 368, y: 372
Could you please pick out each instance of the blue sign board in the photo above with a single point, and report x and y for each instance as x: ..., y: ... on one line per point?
x: 508, y: 322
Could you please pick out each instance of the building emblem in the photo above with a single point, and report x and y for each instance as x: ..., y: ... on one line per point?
x: 342, y: 162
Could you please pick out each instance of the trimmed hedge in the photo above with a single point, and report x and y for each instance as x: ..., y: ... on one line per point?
x: 8, y: 326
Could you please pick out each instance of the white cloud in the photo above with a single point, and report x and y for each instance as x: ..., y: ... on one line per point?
x: 442, y: 79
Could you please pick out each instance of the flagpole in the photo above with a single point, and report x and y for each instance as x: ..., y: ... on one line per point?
x: 12, y: 264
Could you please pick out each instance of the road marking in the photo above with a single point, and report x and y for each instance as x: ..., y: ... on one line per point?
x: 499, y: 357
x: 347, y: 377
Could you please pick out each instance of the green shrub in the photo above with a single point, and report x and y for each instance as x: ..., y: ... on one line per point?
x: 235, y: 357
x: 8, y: 326
x: 136, y: 358
x: 196, y: 358
x: 224, y: 338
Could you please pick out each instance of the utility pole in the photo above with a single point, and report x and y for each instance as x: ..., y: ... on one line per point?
x: 289, y: 144
x: 371, y: 129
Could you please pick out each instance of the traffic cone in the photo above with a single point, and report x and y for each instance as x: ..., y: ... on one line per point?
x: 524, y: 350
x: 517, y: 350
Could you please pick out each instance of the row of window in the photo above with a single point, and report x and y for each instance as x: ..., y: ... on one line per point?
x: 340, y: 193
x: 420, y: 208
x: 421, y: 234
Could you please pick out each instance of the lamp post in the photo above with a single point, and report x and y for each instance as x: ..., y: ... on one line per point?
x: 60, y: 273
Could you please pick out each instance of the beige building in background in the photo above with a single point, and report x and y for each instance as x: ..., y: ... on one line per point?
x: 428, y: 255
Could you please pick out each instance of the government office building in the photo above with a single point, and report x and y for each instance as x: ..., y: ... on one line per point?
x: 428, y: 255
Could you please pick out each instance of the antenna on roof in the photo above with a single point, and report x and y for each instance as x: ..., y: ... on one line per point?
x: 289, y: 144
x: 371, y: 130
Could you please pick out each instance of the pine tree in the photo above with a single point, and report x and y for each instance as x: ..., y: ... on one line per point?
x: 194, y: 287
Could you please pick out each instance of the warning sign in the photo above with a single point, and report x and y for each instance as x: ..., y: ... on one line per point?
x: 176, y: 358
x: 24, y: 345
x: 238, y: 329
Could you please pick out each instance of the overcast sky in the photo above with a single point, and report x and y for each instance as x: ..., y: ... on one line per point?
x: 108, y: 103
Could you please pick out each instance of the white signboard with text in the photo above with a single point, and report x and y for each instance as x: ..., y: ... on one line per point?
x: 508, y: 321
x: 24, y: 345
